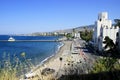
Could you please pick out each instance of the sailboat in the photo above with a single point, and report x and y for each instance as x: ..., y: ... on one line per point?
x: 11, y: 39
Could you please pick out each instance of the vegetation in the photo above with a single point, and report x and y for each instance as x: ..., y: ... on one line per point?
x: 112, y: 75
x: 117, y: 22
x: 109, y: 63
x: 8, y: 71
x: 104, y: 67
x: 15, y: 69
x: 106, y: 64
x: 12, y: 69
x: 69, y: 36
x: 109, y: 44
x: 110, y: 47
x: 86, y: 35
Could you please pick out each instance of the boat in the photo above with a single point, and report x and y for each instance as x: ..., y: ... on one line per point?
x: 11, y: 39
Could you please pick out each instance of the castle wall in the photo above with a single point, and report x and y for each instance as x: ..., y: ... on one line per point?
x: 119, y: 40
x: 110, y: 32
x: 103, y: 27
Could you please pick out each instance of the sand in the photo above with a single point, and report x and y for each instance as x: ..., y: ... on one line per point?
x: 69, y: 60
x: 54, y: 62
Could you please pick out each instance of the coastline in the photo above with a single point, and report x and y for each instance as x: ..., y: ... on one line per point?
x: 66, y: 59
x: 52, y: 56
x: 53, y: 61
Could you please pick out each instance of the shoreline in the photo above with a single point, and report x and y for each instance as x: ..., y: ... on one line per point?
x: 66, y: 59
x: 57, y: 54
x: 49, y: 62
x: 52, y: 56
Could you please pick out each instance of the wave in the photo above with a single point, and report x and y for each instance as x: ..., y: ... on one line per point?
x: 59, y: 46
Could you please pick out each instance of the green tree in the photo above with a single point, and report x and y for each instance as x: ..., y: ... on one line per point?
x: 86, y: 35
x: 117, y: 22
x: 69, y: 36
x: 109, y: 45
x: 107, y: 63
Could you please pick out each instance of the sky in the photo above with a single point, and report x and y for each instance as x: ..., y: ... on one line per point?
x: 28, y: 16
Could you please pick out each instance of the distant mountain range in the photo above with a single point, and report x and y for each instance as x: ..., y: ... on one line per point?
x: 80, y: 28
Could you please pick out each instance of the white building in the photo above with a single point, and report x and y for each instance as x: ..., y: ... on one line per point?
x: 119, y: 39
x: 103, y: 27
x: 77, y: 35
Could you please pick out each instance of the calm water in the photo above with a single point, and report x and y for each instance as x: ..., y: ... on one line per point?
x: 36, y: 51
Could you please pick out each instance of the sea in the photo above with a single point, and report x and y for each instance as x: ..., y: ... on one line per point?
x: 37, y: 52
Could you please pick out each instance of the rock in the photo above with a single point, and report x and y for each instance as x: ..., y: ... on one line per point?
x: 47, y: 71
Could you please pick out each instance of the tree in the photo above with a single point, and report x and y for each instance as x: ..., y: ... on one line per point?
x: 109, y: 45
x: 69, y: 36
x: 117, y: 22
x: 86, y: 35
x: 105, y: 64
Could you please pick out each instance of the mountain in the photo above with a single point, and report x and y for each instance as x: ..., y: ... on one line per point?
x: 80, y: 28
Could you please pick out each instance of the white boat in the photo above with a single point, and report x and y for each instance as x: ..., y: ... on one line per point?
x: 11, y: 39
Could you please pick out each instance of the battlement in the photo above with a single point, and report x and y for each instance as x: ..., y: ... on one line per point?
x: 102, y: 16
x: 112, y: 27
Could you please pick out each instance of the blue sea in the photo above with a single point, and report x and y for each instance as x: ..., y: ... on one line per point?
x: 37, y: 52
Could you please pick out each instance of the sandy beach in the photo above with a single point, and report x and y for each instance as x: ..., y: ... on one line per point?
x: 69, y: 58
x: 53, y: 62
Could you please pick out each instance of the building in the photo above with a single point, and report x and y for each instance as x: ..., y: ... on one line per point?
x: 103, y: 27
x: 119, y: 39
x: 76, y: 35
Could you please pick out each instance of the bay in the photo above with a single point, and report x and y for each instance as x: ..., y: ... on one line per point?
x: 35, y: 51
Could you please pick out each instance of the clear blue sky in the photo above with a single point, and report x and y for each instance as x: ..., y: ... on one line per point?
x: 27, y: 16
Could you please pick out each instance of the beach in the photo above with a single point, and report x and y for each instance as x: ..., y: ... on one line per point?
x: 53, y: 62
x: 70, y: 57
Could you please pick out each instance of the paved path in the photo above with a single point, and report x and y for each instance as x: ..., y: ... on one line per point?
x: 87, y: 58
